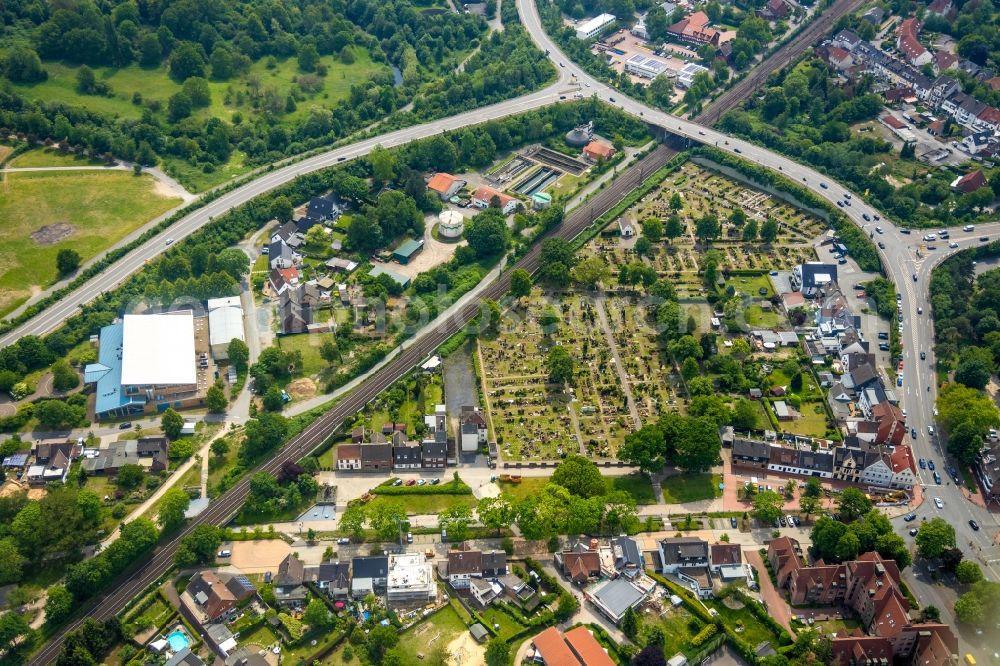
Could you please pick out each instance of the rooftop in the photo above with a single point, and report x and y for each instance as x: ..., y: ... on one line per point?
x: 158, y: 349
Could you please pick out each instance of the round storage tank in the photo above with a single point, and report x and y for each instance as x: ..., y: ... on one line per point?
x: 452, y: 224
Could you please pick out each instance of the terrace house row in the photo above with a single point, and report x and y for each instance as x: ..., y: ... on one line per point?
x: 391, y: 450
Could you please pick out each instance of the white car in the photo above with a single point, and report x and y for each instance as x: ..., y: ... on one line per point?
x: 953, y: 245
x: 169, y: 241
x: 938, y: 503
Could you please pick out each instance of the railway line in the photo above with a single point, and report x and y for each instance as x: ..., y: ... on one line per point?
x: 223, y: 509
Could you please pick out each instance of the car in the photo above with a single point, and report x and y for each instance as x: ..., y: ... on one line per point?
x: 867, y: 218
x: 923, y: 356
x: 760, y: 487
x: 930, y: 463
x: 341, y: 159
x: 434, y: 482
x: 881, y: 245
x: 879, y: 230
x: 397, y: 482
x: 847, y: 195
x: 225, y: 553
x: 883, y: 346
x: 921, y: 462
x: 899, y: 380
x: 563, y: 65
x: 824, y: 186
x: 875, y: 215
x: 899, y: 366
x: 914, y: 277
x: 913, y: 433
x: 984, y: 239
x: 913, y: 531
x: 343, y: 541
x: 798, y: 521
x: 840, y: 203
x: 732, y: 522
x: 842, y: 261
x: 562, y: 96
x: 587, y: 84
x: 953, y: 245
x: 883, y: 335
x: 169, y: 241
x: 974, y: 525
x: 920, y: 310
x: 968, y: 227
x: 421, y: 482
x: 904, y: 230
x: 409, y: 537
x: 937, y: 478
x: 781, y: 521
x: 931, y: 248
x: 910, y: 517
x: 930, y: 431
x: 777, y: 523
x: 847, y: 203
x: 611, y: 99
x: 701, y: 133
x: 930, y: 237
x: 938, y: 503
x: 265, y: 250
x: 411, y: 482
x: 737, y: 150
x: 125, y: 426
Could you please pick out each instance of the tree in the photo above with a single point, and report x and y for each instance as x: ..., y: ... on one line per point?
x: 645, y: 447
x: 496, y: 512
x: 456, y: 519
x: 56, y: 414
x: 590, y: 272
x: 219, y: 447
x: 968, y: 572
x: 130, y: 476
x: 215, y: 399
x: 933, y: 537
x: 67, y: 261
x: 59, y: 605
x: 239, y: 354
x: 13, y: 626
x: 969, y: 610
x: 22, y: 65
x: 186, y: 61
x: 86, y: 81
x: 808, y: 505
x: 520, y: 283
x: 630, y: 624
x: 674, y: 227
x: 892, y: 546
x: 814, y: 488
x: 197, y: 90
x: 560, y: 366
x: 975, y: 366
x: 179, y: 106
x: 11, y: 562
x: 750, y: 231
x: 487, y: 233
x: 273, y: 400
x: 580, y: 476
x: 697, y: 449
x: 567, y: 607
x: 389, y: 521
x: 651, y: 655
x: 707, y: 228
x: 768, y: 506
x: 317, y: 615
x: 171, y: 422
x: 769, y: 231
x: 64, y: 377
x: 853, y: 504
x: 380, y: 640
x: 744, y: 414
x: 497, y: 652
x: 352, y: 520
x: 173, y: 504
x: 308, y: 57
x: 198, y: 547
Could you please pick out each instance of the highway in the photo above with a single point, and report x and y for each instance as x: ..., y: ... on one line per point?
x: 897, y: 258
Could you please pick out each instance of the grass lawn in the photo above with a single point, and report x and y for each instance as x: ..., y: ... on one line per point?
x: 263, y: 636
x: 101, y: 208
x: 756, y: 316
x: 50, y: 157
x: 638, y: 486
x: 336, y: 657
x: 155, y: 615
x: 676, y: 624
x: 430, y: 636
x: 683, y: 488
x: 217, y: 467
x: 751, y: 285
x: 753, y: 630
x: 508, y: 626
x: 308, y: 344
x: 812, y: 423
x: 847, y: 625
x: 196, y: 180
x: 424, y: 504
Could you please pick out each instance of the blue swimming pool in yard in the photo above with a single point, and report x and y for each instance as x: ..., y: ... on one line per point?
x: 178, y: 640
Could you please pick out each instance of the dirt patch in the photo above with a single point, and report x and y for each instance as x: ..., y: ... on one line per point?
x: 466, y: 651
x: 9, y: 488
x: 165, y: 190
x: 434, y: 254
x: 301, y: 389
x: 36, y: 493
x: 51, y: 234
x: 259, y: 556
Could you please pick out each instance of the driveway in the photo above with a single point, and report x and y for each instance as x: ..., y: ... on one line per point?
x: 775, y: 601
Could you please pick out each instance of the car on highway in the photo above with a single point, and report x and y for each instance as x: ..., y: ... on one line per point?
x: 921, y: 462
x: 913, y: 433
x: 877, y: 218
x: 823, y: 185
x: 930, y: 463
x: 930, y: 431
x: 984, y: 239
x: 938, y: 503
x: 969, y: 227
x: 910, y: 517
x: 587, y: 84
x: 920, y: 310
x: 923, y: 356
x: 931, y: 248
x: 914, y: 277
x: 974, y: 525
x: 169, y: 241
x: 611, y: 99
x: 953, y: 245
x: 847, y: 202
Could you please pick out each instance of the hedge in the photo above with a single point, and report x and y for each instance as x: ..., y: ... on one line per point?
x: 703, y: 636
x: 449, y: 488
x: 686, y: 596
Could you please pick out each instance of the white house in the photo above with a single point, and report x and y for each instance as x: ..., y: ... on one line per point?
x: 593, y: 27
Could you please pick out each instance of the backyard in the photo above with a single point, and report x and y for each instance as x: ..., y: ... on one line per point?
x: 678, y: 625
x: 87, y: 211
x: 638, y: 486
x: 684, y: 488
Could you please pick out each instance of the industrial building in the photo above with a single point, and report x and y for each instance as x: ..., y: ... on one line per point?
x: 593, y: 27
x: 644, y: 66
x: 225, y: 324
x: 685, y: 77
x: 407, y: 250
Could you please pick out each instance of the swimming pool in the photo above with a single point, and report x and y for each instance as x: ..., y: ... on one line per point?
x: 178, y: 640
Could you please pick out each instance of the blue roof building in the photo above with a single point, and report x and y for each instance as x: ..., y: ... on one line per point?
x: 107, y: 374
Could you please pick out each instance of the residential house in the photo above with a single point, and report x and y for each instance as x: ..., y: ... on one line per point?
x: 323, y: 209
x: 615, y: 598
x: 839, y: 58
x: 773, y: 10
x: 878, y: 469
x: 376, y: 457
x: 694, y: 29
x: 289, y: 582
x: 445, y: 185
x: 285, y: 233
x: 580, y: 565
x: 297, y: 307
x: 282, y: 279
x: 279, y: 255
x: 349, y: 456
x: 485, y: 196
x: 184, y: 657
x: 857, y: 649
x: 472, y: 425
x: 211, y: 595
x: 410, y: 580
x: 405, y: 454
x: 891, y: 424
x: 875, y: 16
x: 334, y: 578
x: 751, y: 453
x: 518, y: 591
x: 848, y: 463
x: 240, y: 586
x: 687, y: 559
x: 150, y: 453
x: 628, y: 556
x: 970, y: 182
x: 577, y: 647
x: 463, y: 566
x: 724, y: 555
x: 598, y: 151
x: 909, y: 44
x: 944, y: 60
x: 784, y: 554
x: 369, y: 575
x: 904, y: 472
x: 940, y: 7
x: 976, y: 142
x: 846, y: 40
x: 483, y: 591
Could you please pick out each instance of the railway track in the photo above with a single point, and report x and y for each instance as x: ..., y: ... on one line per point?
x: 223, y: 509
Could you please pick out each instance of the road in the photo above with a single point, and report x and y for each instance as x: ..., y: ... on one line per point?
x: 897, y: 259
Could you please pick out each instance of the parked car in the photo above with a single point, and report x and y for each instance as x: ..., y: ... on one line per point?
x: 397, y: 482
x: 938, y: 503
x: 225, y: 553
x: 411, y: 482
x: 974, y: 525
x: 968, y: 227
x: 343, y: 541
x: 923, y: 356
x: 434, y: 482
x: 910, y: 517
x: 125, y: 426
x: 930, y: 464
x: 921, y: 462
x: 732, y: 522
x: 421, y: 482
x: 913, y: 531
x: 937, y: 478
x: 409, y: 537
x: 913, y: 433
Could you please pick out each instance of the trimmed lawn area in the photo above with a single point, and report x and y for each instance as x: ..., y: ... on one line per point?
x: 154, y: 615
x: 751, y: 285
x: 308, y: 344
x: 50, y: 157
x: 530, y: 485
x: 812, y: 423
x: 638, y: 486
x: 683, y: 488
x: 756, y: 316
x: 754, y: 631
x: 677, y: 624
x: 100, y: 208
x: 423, y: 504
x: 430, y: 637
x: 508, y: 626
x: 263, y: 636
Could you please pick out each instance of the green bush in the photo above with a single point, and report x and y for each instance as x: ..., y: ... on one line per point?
x: 703, y: 636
